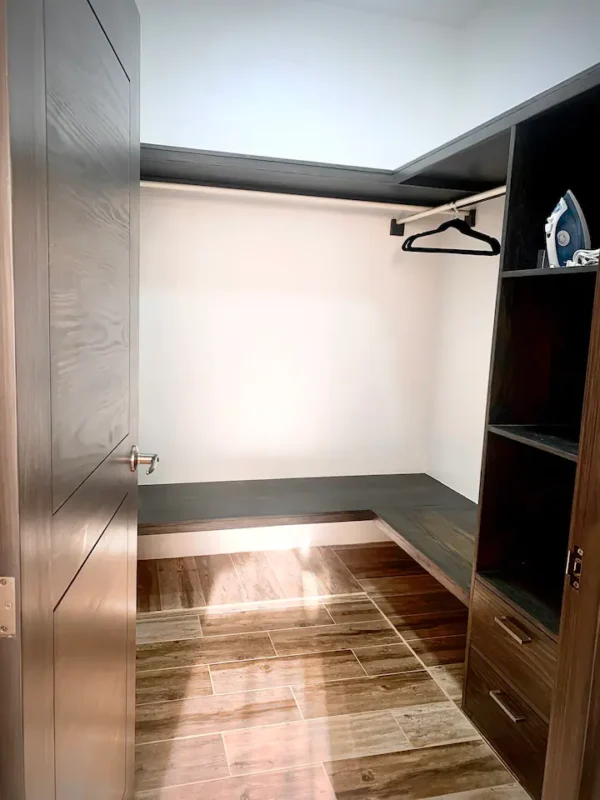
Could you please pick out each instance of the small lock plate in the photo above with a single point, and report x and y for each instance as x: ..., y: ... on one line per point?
x: 575, y: 567
x: 8, y: 614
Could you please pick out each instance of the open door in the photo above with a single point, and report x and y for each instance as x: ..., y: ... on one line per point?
x: 69, y: 117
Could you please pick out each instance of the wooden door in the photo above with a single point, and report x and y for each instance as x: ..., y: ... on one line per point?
x: 68, y: 408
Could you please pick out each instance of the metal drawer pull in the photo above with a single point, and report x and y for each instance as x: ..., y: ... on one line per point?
x: 512, y: 630
x: 495, y: 694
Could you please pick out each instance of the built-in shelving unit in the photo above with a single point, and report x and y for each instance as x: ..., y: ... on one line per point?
x: 532, y: 454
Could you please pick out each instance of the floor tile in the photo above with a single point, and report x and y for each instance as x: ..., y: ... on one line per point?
x: 167, y: 629
x: 285, y: 671
x: 435, y: 723
x: 367, y: 694
x: 183, y: 761
x: 313, y: 741
x: 179, y: 584
x: 417, y: 774
x: 257, y: 576
x: 172, y: 684
x: 331, y: 573
x: 333, y: 637
x: 148, y: 594
x: 359, y: 609
x: 219, y: 581
x: 362, y: 545
x: 295, y: 579
x: 202, y: 715
x: 382, y: 562
x: 309, y: 613
x: 387, y: 659
x: 495, y: 793
x: 406, y: 605
x: 308, y: 783
x: 450, y: 678
x: 402, y: 584
x: 209, y: 650
x: 440, y: 651
x: 451, y: 623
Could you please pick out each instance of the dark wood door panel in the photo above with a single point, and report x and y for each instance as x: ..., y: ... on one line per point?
x: 91, y: 646
x: 78, y: 524
x: 88, y: 103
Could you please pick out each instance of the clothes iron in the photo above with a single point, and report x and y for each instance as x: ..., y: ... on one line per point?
x: 566, y: 231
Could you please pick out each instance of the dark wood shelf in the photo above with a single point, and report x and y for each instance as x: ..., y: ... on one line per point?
x: 559, y: 440
x: 434, y: 524
x: 530, y: 273
x: 532, y: 598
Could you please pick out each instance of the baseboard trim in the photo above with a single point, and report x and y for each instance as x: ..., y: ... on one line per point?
x: 182, y: 544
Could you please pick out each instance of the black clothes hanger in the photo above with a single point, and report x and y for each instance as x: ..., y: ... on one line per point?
x: 461, y: 226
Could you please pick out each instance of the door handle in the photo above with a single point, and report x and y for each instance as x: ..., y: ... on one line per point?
x: 513, y: 716
x: 513, y: 631
x: 148, y: 459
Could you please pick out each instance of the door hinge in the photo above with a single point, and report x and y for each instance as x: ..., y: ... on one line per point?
x: 575, y: 566
x: 8, y: 613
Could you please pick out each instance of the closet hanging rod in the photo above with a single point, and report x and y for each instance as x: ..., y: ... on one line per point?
x: 397, y: 228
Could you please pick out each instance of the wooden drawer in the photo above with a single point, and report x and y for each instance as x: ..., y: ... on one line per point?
x: 516, y: 647
x: 512, y: 727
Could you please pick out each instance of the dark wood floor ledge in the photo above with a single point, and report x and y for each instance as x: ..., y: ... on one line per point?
x: 432, y: 522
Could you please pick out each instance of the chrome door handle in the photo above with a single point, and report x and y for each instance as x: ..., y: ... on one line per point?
x: 137, y: 458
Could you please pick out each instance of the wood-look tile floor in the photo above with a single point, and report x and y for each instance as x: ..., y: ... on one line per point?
x: 288, y: 675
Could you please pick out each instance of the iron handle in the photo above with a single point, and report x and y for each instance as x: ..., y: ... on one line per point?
x: 496, y: 696
x: 148, y: 459
x: 513, y: 631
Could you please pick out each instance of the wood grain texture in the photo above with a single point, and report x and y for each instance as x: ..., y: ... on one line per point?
x: 270, y: 617
x: 402, y: 584
x: 163, y: 764
x: 360, y: 609
x: 450, y: 678
x: 295, y: 579
x: 428, y: 626
x: 33, y: 734
x: 88, y: 106
x: 313, y: 741
x: 522, y: 744
x: 529, y: 667
x: 441, y: 650
x: 257, y: 576
x: 572, y: 769
x: 417, y: 774
x: 308, y: 783
x: 179, y: 585
x: 386, y: 659
x: 148, y: 592
x: 173, y: 684
x: 213, y: 650
x: 285, y: 671
x: 380, y: 562
x: 90, y: 675
x: 11, y: 752
x: 334, y: 637
x: 409, y: 605
x: 169, y: 629
x: 201, y: 715
x: 219, y: 580
x: 367, y: 694
x: 434, y: 724
x: 329, y: 570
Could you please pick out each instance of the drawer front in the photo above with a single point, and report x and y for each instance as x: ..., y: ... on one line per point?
x: 515, y: 731
x: 525, y: 655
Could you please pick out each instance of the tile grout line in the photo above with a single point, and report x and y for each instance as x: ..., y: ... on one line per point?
x: 403, y: 640
x: 227, y: 761
x: 359, y: 661
x: 329, y: 781
x: 302, y: 717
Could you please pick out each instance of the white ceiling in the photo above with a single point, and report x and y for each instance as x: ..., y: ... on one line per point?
x: 456, y: 13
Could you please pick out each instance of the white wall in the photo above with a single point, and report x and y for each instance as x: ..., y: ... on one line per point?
x: 280, y: 337
x: 294, y: 79
x: 514, y: 50
x: 464, y: 325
